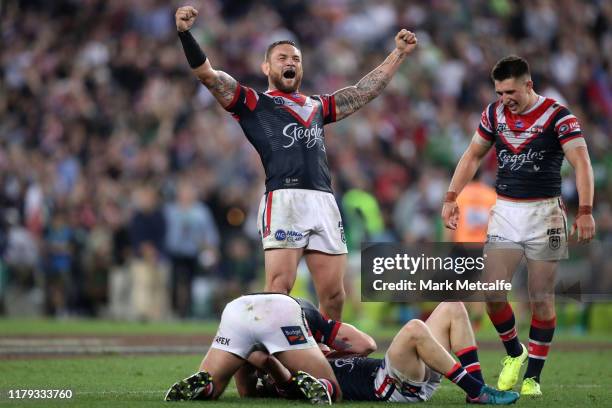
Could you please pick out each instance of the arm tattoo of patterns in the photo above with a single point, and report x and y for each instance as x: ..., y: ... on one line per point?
x: 352, y: 98
x: 223, y: 88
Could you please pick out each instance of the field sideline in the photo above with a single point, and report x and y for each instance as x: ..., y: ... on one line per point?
x: 571, y: 378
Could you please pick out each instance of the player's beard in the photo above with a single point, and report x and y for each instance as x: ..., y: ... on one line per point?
x: 284, y: 84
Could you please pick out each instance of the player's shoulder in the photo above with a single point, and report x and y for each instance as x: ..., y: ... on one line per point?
x: 556, y: 105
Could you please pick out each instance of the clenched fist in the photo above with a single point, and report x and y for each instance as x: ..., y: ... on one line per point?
x: 405, y: 41
x: 185, y: 17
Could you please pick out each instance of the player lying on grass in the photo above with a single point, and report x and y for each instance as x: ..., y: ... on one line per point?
x: 275, y: 322
x: 409, y: 372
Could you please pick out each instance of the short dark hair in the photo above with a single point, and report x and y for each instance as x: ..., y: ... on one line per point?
x: 276, y: 44
x: 511, y: 66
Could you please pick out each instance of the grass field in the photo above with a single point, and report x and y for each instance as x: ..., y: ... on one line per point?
x: 571, y: 378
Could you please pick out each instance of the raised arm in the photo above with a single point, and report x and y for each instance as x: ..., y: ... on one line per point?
x: 352, y: 98
x: 220, y: 84
x: 464, y: 172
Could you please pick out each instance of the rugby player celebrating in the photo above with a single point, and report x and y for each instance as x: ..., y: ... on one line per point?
x: 532, y: 134
x: 298, y: 214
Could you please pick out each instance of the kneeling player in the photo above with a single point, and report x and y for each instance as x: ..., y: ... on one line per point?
x: 410, y: 370
x: 274, y: 321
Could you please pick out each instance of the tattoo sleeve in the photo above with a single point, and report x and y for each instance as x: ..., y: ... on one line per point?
x: 223, y: 87
x: 352, y: 98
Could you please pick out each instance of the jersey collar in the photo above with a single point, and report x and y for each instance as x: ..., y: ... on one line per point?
x: 295, y: 96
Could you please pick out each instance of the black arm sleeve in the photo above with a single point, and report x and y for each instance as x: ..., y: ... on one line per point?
x: 193, y: 52
x: 321, y: 328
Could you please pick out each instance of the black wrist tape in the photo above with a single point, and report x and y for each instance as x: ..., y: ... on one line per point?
x: 193, y: 52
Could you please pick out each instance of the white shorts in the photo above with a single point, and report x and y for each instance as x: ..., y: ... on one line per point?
x: 405, y: 390
x: 273, y: 320
x: 539, y: 228
x: 298, y: 218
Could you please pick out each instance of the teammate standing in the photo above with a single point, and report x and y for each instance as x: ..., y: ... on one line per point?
x: 298, y: 213
x: 531, y: 135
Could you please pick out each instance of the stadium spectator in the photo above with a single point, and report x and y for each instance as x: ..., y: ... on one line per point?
x: 191, y: 235
x: 107, y: 82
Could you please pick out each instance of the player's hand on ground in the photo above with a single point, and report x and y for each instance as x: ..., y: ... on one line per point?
x: 185, y: 17
x: 584, y: 226
x: 405, y: 41
x: 450, y: 215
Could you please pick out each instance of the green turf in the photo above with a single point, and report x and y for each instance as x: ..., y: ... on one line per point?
x: 14, y: 326
x: 571, y: 379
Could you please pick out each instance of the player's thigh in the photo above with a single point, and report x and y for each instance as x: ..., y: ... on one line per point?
x: 500, y: 264
x: 327, y: 271
x: 281, y: 264
x: 541, y: 279
x: 402, y: 355
x: 441, y: 319
x: 310, y: 360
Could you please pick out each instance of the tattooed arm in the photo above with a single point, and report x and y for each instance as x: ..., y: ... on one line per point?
x: 220, y: 84
x: 352, y: 98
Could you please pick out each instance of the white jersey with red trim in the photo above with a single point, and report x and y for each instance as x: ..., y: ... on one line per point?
x: 287, y: 132
x: 530, y: 146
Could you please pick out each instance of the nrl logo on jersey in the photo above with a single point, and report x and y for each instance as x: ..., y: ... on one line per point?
x: 311, y: 137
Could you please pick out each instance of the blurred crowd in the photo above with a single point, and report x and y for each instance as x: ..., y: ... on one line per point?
x: 126, y: 190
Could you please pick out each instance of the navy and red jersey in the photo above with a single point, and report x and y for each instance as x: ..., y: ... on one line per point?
x: 529, y: 146
x: 287, y: 132
x: 356, y: 376
x: 323, y: 330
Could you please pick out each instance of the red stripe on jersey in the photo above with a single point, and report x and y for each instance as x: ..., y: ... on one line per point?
x: 251, y: 99
x: 307, y: 122
x: 564, y: 141
x: 482, y: 134
x: 332, y: 107
x: 295, y: 97
x: 333, y: 334
x: 538, y: 349
x: 235, y: 98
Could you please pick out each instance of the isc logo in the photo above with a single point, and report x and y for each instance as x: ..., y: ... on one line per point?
x: 554, y: 231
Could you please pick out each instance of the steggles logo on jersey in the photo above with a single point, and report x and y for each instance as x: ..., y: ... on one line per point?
x: 310, y: 137
x: 517, y: 161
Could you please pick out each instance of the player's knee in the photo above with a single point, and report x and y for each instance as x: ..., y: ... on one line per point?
x: 455, y: 310
x: 543, y: 310
x: 334, y: 297
x: 279, y: 284
x: 414, y: 331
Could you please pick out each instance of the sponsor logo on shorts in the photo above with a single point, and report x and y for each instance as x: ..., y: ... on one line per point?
x: 224, y: 341
x: 341, y: 227
x: 290, y: 236
x: 294, y: 335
